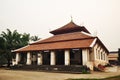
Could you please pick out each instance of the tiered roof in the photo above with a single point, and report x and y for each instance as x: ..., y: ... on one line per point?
x: 68, y: 28
x: 67, y: 37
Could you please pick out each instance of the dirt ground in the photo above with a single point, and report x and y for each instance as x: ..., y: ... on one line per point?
x: 33, y: 75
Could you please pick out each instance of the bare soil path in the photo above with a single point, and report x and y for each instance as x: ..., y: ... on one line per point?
x: 33, y: 75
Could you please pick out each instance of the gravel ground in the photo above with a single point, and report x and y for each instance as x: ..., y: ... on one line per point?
x: 33, y: 75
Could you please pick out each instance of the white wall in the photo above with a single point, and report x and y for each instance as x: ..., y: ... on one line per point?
x: 100, y: 55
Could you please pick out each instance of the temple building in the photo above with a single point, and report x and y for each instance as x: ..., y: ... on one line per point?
x: 70, y: 45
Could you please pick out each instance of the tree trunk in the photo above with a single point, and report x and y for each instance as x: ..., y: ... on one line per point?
x: 8, y: 62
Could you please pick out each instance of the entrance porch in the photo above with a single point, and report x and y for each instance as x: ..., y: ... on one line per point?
x: 54, y: 57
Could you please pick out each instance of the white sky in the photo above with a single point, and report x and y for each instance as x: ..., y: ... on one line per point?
x: 38, y: 17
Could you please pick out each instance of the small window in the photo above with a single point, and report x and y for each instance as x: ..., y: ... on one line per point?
x: 99, y: 54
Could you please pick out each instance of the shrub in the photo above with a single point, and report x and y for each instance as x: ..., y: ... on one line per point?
x: 108, y: 65
x: 85, y: 70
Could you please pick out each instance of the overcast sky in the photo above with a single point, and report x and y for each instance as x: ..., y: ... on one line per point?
x: 38, y: 17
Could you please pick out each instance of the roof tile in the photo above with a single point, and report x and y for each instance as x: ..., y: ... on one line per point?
x: 64, y: 37
x: 59, y: 45
x: 70, y: 27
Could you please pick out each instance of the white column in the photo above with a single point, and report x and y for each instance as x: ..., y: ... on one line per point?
x: 39, y: 61
x: 67, y: 57
x: 52, y: 57
x: 17, y: 58
x: 28, y: 59
x: 85, y: 56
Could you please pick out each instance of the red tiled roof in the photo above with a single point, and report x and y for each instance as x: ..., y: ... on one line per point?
x: 70, y: 27
x: 61, y: 41
x: 84, y: 43
x: 64, y: 37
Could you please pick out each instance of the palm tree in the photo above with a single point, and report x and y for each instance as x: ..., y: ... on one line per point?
x: 11, y: 42
x: 34, y: 38
x: 24, y: 40
x: 11, y: 38
x: 2, y: 44
x: 14, y: 40
x: 2, y: 50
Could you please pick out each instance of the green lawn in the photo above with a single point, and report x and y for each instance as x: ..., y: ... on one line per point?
x: 109, y: 78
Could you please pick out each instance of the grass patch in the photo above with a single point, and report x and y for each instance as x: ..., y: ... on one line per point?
x: 113, y: 78
x: 109, y: 78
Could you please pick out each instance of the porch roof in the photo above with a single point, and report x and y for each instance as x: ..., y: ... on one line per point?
x: 61, y: 41
x: 65, y: 37
x: 80, y: 43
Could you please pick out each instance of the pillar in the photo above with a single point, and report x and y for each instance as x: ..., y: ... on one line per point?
x: 28, y: 59
x: 67, y: 57
x: 52, y: 57
x: 17, y: 58
x: 85, y: 56
x: 39, y: 60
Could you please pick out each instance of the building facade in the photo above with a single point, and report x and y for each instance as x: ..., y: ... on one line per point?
x: 113, y: 57
x: 69, y: 45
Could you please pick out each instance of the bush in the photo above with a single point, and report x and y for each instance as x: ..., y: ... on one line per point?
x: 85, y: 70
x: 108, y: 65
x: 3, y: 60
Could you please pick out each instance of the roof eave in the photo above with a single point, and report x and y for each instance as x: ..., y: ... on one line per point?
x: 102, y: 45
x: 17, y: 50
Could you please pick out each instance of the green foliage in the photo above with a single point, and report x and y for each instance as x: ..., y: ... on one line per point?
x: 10, y: 41
x: 2, y: 59
x: 2, y: 50
x: 85, y: 70
x: 2, y: 45
x: 35, y: 38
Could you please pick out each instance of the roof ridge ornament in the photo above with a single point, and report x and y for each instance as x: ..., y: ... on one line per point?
x: 71, y: 18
